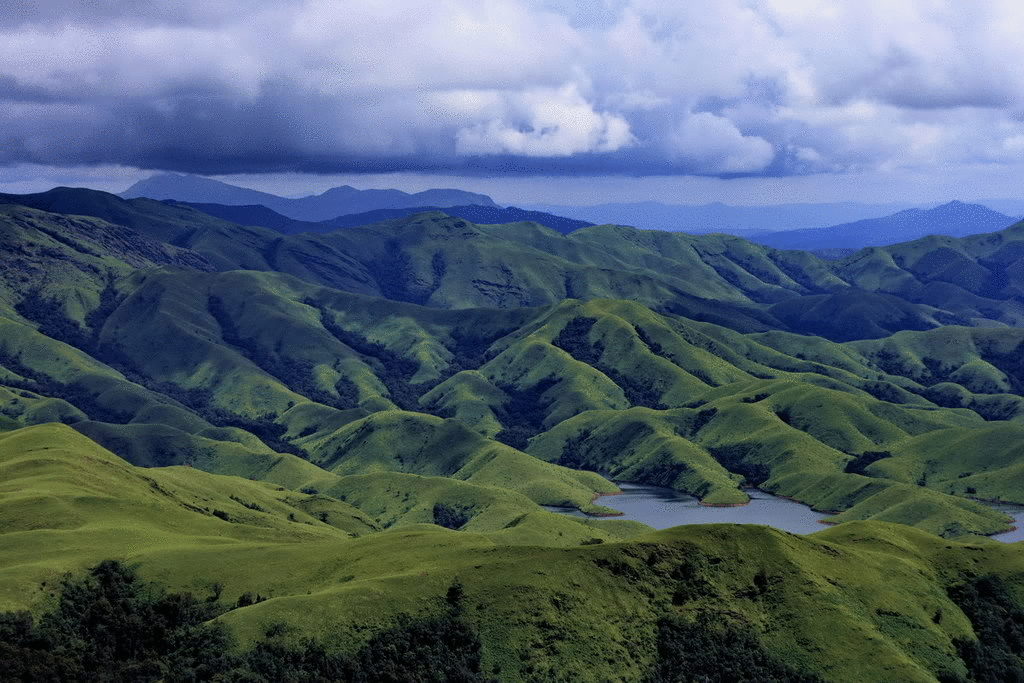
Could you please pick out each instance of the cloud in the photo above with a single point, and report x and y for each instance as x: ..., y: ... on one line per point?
x: 763, y: 87
x: 544, y: 123
x: 716, y: 146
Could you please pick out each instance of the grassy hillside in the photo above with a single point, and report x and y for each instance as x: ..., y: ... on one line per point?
x: 242, y: 363
x: 440, y: 261
x: 348, y: 424
x: 863, y: 601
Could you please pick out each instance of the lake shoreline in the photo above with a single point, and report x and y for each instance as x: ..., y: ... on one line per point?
x: 662, y: 507
x: 633, y: 496
x: 605, y: 515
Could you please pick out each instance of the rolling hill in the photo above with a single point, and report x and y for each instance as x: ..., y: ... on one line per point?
x: 351, y: 422
x: 863, y: 601
x: 302, y: 369
x: 440, y: 261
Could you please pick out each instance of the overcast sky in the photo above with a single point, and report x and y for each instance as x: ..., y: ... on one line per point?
x: 745, y: 101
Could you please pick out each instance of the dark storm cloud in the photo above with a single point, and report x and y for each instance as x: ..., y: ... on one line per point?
x: 49, y: 13
x: 635, y: 87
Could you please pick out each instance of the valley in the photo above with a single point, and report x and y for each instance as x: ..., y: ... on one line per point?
x: 350, y: 422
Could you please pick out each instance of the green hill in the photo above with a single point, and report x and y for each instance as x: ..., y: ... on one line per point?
x: 262, y: 362
x: 350, y: 423
x: 863, y: 601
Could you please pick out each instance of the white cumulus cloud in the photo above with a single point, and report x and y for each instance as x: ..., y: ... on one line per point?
x: 715, y: 145
x: 545, y: 123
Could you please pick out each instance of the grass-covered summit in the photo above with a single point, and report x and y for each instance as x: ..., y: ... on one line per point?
x: 350, y: 423
x: 444, y: 262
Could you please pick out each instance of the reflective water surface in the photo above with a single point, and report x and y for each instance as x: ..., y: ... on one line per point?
x: 662, y: 507
x: 1015, y: 511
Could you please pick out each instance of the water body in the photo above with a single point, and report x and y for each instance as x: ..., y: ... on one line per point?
x: 661, y: 508
x: 1015, y: 511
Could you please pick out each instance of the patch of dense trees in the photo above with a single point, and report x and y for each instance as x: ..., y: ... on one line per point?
x: 49, y: 316
x: 997, y: 656
x: 862, y: 461
x: 574, y: 454
x: 76, y: 395
x: 391, y: 369
x: 734, y: 459
x: 396, y: 278
x: 1011, y: 364
x: 470, y: 351
x: 296, y: 374
x: 110, y: 627
x: 451, y: 517
x: 523, y: 413
x: 574, y: 340
x: 707, y: 652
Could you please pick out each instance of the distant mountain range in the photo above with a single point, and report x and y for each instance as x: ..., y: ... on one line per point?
x: 822, y: 228
x: 335, y: 202
x: 717, y: 217
x: 745, y: 221
x: 955, y: 219
x: 486, y: 215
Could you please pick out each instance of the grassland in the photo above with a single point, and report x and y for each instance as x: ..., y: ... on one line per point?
x: 348, y: 423
x: 862, y: 601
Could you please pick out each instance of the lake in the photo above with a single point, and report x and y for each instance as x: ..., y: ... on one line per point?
x: 661, y: 508
x: 1015, y: 511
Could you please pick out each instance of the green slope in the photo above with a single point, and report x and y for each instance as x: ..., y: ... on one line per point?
x: 349, y: 423
x: 261, y: 361
x: 864, y: 601
x: 446, y: 262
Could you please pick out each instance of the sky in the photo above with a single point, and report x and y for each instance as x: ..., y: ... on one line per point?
x: 557, y: 101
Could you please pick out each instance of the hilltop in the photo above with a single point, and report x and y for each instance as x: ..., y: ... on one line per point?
x: 352, y: 422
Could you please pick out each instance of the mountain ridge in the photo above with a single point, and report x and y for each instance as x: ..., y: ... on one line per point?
x: 267, y: 218
x: 922, y: 284
x: 333, y: 202
x: 953, y: 219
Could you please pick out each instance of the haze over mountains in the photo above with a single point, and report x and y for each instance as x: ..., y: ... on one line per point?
x: 267, y: 218
x: 718, y: 217
x: 809, y: 227
x: 335, y: 202
x: 842, y: 226
x: 955, y: 219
